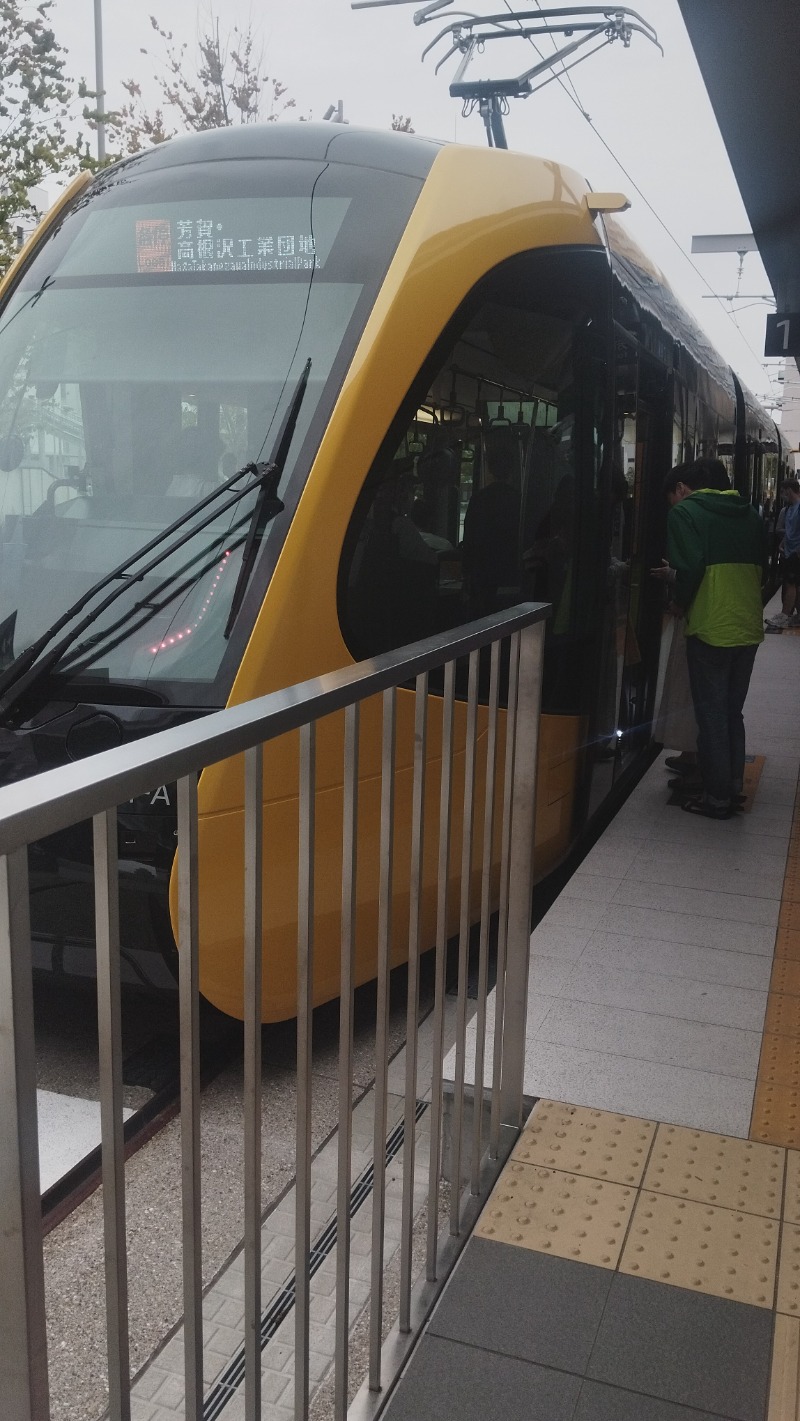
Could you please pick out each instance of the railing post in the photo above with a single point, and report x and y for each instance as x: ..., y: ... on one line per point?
x: 23, y: 1341
x: 523, y: 811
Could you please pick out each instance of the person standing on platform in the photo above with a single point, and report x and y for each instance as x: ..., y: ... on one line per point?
x: 716, y: 545
x: 790, y: 548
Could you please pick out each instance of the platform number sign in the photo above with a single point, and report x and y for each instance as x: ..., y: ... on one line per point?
x: 783, y: 334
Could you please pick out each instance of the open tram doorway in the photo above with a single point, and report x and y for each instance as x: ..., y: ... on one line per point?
x: 640, y: 464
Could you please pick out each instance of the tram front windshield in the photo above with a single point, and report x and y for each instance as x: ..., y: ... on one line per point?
x: 152, y: 350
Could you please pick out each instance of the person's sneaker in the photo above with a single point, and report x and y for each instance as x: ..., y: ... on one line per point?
x: 778, y: 622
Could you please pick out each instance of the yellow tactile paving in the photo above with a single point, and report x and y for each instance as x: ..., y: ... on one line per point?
x: 717, y: 1251
x: 714, y: 1169
x: 789, y: 916
x: 783, y: 1014
x: 789, y: 1271
x: 776, y: 1115
x: 784, y: 1385
x: 780, y: 1060
x: 785, y: 976
x: 791, y: 1193
x: 567, y: 1215
x: 791, y: 882
x: 787, y: 943
x: 583, y: 1141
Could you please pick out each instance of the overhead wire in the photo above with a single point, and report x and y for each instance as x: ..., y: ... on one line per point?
x: 574, y: 98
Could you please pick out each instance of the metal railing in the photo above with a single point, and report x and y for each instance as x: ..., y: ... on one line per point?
x: 92, y: 789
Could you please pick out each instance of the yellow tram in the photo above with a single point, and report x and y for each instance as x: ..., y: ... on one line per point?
x: 472, y: 384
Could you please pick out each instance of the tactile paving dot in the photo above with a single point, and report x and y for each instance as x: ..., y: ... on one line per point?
x: 789, y: 1272
x: 783, y: 1014
x: 776, y: 1115
x: 787, y: 943
x: 791, y: 881
x: 785, y: 976
x: 791, y: 1196
x: 567, y: 1215
x: 709, y: 1250
x: 789, y: 915
x: 714, y: 1169
x: 583, y: 1141
x: 780, y: 1061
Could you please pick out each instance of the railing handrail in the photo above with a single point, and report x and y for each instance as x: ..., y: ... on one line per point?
x: 56, y: 799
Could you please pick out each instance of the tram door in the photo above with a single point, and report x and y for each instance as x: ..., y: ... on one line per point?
x: 637, y: 479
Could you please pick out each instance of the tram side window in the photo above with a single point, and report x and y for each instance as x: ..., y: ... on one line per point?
x: 471, y: 504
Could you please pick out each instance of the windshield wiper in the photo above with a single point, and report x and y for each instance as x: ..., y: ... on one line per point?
x: 27, y: 669
x: 261, y: 514
x: 77, y: 659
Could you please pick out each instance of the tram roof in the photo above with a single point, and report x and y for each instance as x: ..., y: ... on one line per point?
x: 747, y: 54
x: 315, y: 142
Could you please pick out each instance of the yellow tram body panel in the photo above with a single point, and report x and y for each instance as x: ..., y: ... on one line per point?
x: 476, y: 208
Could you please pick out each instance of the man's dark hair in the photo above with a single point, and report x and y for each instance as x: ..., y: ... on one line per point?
x: 674, y: 477
x: 792, y: 484
x: 707, y: 473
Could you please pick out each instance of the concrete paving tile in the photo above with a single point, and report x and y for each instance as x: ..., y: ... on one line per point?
x: 151, y: 1379
x: 674, y: 959
x: 142, y: 1410
x: 614, y: 853
x: 446, y: 1379
x: 591, y: 887
x: 711, y: 874
x: 598, y: 1402
x: 652, y: 992
x: 730, y: 907
x: 523, y: 1304
x: 558, y: 940
x: 741, y: 851
x: 649, y: 1036
x: 759, y: 823
x: 546, y: 977
x: 171, y: 1393
x: 570, y: 913
x: 538, y: 1007
x: 684, y: 1347
x: 699, y: 1099
x: 670, y: 926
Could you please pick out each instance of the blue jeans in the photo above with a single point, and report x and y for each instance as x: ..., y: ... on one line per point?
x: 719, y: 677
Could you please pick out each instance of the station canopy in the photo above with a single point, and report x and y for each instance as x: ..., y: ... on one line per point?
x: 748, y: 56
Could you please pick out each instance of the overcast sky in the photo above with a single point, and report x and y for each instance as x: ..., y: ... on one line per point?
x: 652, y: 112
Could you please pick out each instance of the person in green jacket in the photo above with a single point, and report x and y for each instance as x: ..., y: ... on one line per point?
x: 715, y: 543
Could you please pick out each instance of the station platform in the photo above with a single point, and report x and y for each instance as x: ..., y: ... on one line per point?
x: 639, y: 1258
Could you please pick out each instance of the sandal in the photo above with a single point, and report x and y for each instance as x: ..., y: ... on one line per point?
x: 708, y: 811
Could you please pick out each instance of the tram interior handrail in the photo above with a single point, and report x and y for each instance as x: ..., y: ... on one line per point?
x: 500, y: 840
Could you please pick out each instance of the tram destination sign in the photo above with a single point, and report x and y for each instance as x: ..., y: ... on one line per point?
x: 783, y: 334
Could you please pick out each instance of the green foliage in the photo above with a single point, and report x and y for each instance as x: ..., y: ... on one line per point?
x: 222, y: 84
x: 35, y: 95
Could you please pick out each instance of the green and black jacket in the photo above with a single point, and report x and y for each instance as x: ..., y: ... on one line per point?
x: 716, y: 545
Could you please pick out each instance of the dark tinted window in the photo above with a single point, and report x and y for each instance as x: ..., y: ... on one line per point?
x: 486, y: 486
